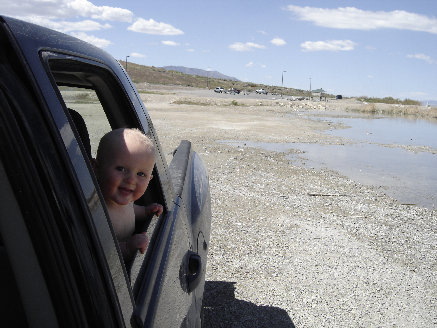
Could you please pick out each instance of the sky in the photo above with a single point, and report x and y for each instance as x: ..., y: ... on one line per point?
x: 374, y: 48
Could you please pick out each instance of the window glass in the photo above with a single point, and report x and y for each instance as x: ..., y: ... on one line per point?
x: 87, y: 104
x: 21, y: 298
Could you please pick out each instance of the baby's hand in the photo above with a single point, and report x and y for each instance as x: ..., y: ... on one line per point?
x: 138, y: 242
x: 155, y: 209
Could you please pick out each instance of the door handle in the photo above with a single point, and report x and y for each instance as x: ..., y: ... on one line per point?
x: 193, y: 270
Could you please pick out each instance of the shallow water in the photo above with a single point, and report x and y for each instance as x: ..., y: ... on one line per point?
x: 388, y: 131
x: 375, y: 157
x: 409, y: 177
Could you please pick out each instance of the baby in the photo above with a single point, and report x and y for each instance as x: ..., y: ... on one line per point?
x: 123, y: 166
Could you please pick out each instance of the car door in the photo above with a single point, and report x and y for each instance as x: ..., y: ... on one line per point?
x: 59, y: 71
x: 53, y: 271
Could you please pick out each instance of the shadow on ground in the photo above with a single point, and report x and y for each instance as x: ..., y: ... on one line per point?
x: 222, y: 309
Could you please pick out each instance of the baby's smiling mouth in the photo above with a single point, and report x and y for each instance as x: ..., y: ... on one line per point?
x: 125, y: 191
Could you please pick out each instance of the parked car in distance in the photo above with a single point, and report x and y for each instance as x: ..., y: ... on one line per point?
x: 233, y: 91
x: 219, y: 89
x: 61, y: 265
x: 261, y: 91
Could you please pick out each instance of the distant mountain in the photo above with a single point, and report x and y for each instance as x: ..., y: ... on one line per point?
x: 200, y: 72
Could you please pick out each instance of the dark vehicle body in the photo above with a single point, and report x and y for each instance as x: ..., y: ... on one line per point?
x: 234, y: 91
x: 60, y: 264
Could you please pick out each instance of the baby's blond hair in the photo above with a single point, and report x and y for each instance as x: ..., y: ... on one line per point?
x: 111, y: 140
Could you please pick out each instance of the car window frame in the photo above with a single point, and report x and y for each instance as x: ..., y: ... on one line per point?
x: 146, y: 290
x: 132, y: 287
x: 88, y: 188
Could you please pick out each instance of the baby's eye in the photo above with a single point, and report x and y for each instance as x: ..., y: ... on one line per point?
x: 141, y: 174
x: 120, y: 169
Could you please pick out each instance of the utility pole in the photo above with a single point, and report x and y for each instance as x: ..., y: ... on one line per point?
x: 310, y: 89
x: 282, y: 83
x: 126, y: 62
x: 207, y: 76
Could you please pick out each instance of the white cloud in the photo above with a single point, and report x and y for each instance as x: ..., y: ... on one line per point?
x: 153, y: 27
x: 248, y: 46
x: 86, y: 25
x: 249, y: 64
x: 88, y: 9
x: 137, y: 55
x: 112, y: 14
x: 62, y: 9
x: 423, y: 57
x: 67, y: 16
x: 278, y: 42
x: 358, y: 19
x: 62, y: 15
x: 170, y: 43
x: 98, y: 42
x: 66, y: 26
x: 190, y: 50
x: 329, y: 45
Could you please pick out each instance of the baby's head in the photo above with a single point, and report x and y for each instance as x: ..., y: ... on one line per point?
x: 123, y: 165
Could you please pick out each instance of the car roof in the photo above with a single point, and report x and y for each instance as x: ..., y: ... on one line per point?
x: 34, y: 38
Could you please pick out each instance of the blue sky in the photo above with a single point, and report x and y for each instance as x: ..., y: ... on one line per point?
x: 355, y: 48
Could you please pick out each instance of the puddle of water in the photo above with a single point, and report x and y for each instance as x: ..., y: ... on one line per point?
x: 388, y: 131
x: 409, y: 177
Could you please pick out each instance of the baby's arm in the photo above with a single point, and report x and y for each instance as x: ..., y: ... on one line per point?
x: 143, y: 212
x: 134, y: 243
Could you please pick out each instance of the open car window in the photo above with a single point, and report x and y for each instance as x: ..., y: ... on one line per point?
x: 85, y: 102
x: 93, y: 97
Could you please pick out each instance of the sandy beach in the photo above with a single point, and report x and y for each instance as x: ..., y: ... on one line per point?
x: 292, y: 246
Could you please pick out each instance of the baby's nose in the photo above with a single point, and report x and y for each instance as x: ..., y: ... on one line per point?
x: 129, y: 177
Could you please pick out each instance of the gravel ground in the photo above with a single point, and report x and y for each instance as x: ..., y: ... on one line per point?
x: 292, y: 246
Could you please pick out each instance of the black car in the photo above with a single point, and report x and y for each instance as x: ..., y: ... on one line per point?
x: 60, y: 264
x: 234, y: 91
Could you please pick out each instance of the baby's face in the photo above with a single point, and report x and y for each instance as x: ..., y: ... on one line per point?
x: 124, y: 177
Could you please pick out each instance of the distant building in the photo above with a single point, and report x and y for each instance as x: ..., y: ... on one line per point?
x: 318, y: 92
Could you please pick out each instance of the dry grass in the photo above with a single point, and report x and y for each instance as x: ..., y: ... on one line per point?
x: 395, y: 110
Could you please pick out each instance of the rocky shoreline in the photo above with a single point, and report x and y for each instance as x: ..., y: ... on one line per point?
x: 290, y: 245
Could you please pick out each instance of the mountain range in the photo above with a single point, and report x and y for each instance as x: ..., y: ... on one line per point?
x: 200, y: 72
